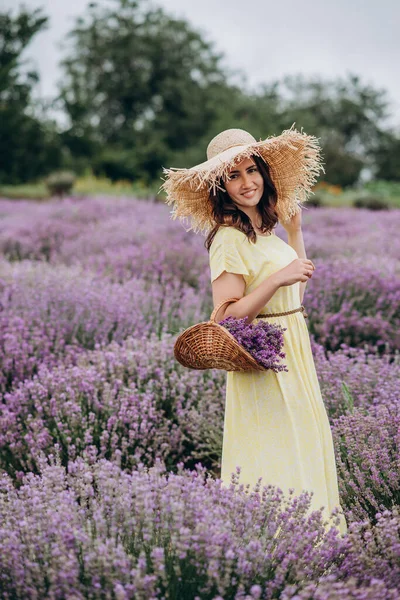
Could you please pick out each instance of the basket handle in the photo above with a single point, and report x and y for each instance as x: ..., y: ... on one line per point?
x: 220, y: 305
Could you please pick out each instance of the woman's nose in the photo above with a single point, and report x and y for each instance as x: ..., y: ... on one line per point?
x: 246, y: 181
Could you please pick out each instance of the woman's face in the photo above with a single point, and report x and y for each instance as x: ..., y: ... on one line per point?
x: 245, y: 185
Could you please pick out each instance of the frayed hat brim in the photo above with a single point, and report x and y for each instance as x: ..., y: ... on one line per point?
x: 294, y: 160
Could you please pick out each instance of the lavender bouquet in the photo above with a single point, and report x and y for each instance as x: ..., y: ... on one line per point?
x: 262, y: 340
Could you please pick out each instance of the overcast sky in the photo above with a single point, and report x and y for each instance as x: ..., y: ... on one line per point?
x: 266, y: 40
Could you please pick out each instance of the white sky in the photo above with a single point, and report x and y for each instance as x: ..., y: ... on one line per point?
x: 266, y: 40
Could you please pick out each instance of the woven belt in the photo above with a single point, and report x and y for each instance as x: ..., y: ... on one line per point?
x: 282, y: 314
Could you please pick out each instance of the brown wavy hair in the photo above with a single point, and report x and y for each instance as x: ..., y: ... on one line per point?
x: 227, y: 214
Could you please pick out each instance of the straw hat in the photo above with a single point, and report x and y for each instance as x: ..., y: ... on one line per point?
x: 294, y: 161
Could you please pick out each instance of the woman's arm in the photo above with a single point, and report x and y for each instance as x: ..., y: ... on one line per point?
x: 232, y: 285
x: 295, y: 240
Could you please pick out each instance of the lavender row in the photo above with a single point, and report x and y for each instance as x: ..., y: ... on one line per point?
x: 351, y: 302
x: 127, y: 403
x: 151, y: 535
x: 52, y: 314
x: 353, y: 297
x: 78, y: 228
x: 133, y: 404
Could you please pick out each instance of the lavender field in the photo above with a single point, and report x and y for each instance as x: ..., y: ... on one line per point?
x: 110, y: 450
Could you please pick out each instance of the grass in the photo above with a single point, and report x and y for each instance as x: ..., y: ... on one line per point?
x: 29, y: 191
x: 385, y: 191
x: 88, y: 185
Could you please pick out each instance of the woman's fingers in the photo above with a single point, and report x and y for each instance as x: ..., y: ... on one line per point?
x: 310, y: 263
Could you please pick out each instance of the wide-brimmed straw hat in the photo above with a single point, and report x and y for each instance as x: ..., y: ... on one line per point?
x: 294, y: 160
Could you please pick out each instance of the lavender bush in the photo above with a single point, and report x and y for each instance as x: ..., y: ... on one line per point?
x: 114, y: 238
x: 120, y: 404
x: 51, y: 313
x: 354, y: 304
x: 375, y: 550
x: 130, y: 403
x: 145, y: 535
x: 367, y: 447
x: 328, y: 588
x: 353, y: 378
x: 37, y: 231
x: 330, y: 234
x: 350, y: 299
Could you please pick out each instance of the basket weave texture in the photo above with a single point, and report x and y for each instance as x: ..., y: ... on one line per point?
x: 209, y: 345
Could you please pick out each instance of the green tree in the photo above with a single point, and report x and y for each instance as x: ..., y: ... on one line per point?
x: 233, y: 108
x: 137, y: 84
x: 345, y: 114
x: 29, y: 147
x: 387, y: 158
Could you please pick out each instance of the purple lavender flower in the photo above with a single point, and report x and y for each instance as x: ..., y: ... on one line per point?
x: 96, y: 531
x: 264, y: 341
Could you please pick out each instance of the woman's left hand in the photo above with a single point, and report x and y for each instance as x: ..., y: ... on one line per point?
x: 294, y: 224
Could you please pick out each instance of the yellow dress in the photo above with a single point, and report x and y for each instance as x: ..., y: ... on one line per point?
x: 275, y: 424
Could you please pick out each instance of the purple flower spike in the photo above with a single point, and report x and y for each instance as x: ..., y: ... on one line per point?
x: 262, y: 340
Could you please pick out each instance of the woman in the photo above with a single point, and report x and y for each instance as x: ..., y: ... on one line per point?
x: 275, y: 425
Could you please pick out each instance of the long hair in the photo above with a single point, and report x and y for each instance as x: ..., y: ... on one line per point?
x: 227, y: 214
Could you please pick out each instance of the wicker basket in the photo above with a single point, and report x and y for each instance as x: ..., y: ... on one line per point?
x: 208, y: 345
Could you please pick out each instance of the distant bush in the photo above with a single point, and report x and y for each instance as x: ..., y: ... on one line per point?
x: 60, y: 183
x: 315, y: 201
x: 371, y: 203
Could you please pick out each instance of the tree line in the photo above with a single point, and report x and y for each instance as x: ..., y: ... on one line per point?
x: 141, y: 90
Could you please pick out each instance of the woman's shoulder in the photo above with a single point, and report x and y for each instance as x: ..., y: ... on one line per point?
x: 229, y: 235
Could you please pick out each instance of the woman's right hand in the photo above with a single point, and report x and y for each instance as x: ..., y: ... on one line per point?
x: 300, y: 269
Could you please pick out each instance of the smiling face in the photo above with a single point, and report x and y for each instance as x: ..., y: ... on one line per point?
x: 245, y: 185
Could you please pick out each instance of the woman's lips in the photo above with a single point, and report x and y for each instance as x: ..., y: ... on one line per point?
x: 249, y: 194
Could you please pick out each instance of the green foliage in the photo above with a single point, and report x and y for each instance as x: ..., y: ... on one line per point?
x: 371, y: 202
x: 139, y: 84
x: 387, y: 158
x: 232, y: 109
x: 345, y: 114
x: 86, y: 185
x: 386, y: 189
x: 90, y: 184
x: 347, y: 397
x: 29, y: 146
x: 60, y: 183
x: 24, y: 191
x: 15, y: 34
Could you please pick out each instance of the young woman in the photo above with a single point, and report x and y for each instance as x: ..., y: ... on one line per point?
x: 276, y: 426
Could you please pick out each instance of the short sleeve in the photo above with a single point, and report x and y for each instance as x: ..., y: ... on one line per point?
x: 226, y: 254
